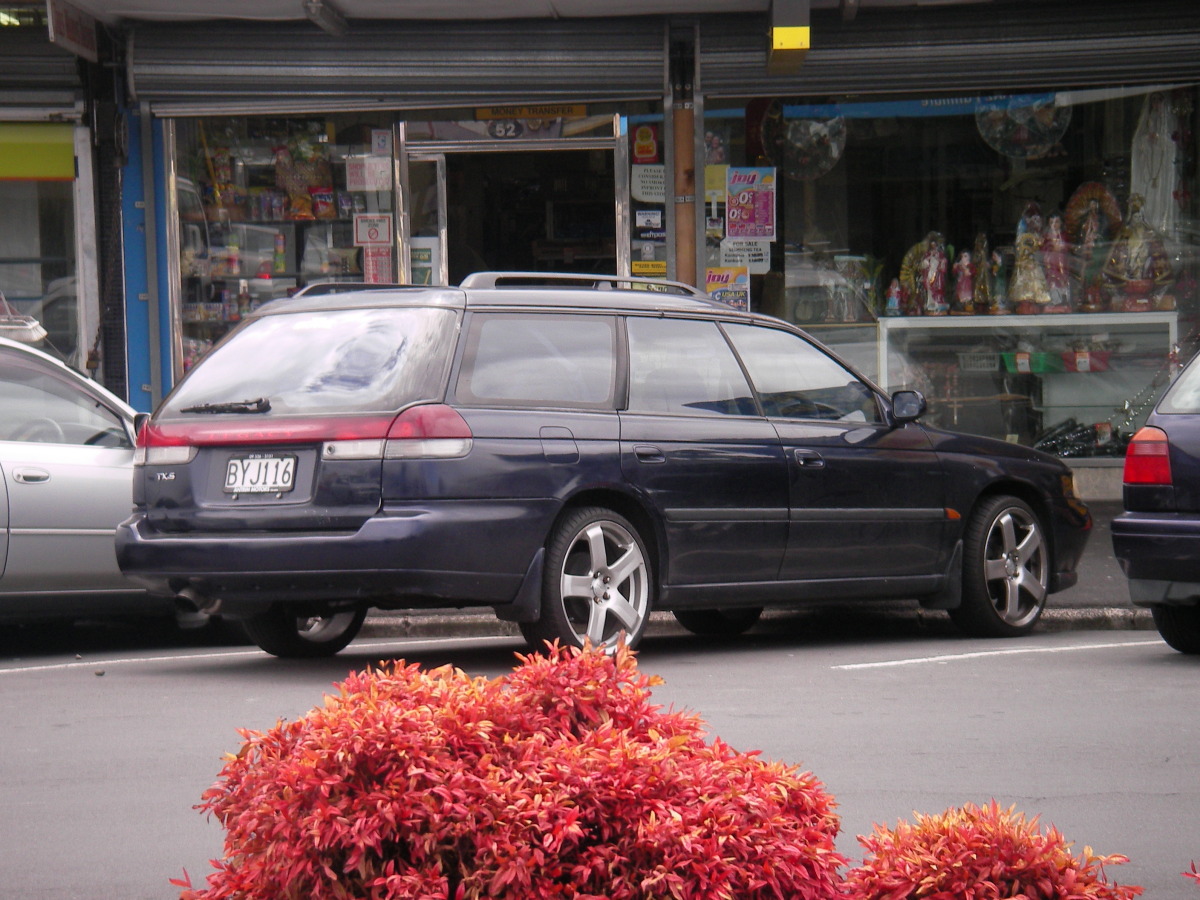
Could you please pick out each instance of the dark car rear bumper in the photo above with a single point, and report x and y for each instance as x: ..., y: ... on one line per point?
x: 458, y: 553
x: 1160, y: 554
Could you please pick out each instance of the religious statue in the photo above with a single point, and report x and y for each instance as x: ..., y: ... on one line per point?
x: 980, y: 259
x: 999, y: 285
x: 931, y: 290
x: 923, y: 276
x: 895, y: 299
x: 964, y: 285
x: 1092, y: 219
x: 1031, y: 220
x: 1029, y: 292
x: 1138, y: 272
x: 1056, y: 263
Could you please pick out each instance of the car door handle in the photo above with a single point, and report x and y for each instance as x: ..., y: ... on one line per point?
x: 648, y: 454
x: 30, y: 476
x: 809, y: 459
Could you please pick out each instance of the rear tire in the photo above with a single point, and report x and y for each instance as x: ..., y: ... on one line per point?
x: 282, y: 632
x: 1006, y: 570
x: 718, y: 622
x: 1179, y: 627
x: 597, y: 585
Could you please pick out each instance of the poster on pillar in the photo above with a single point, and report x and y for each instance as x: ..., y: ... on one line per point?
x: 750, y: 202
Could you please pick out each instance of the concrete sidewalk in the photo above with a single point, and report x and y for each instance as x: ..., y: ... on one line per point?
x: 1100, y: 601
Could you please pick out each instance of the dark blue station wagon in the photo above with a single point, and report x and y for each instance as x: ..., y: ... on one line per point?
x: 573, y: 451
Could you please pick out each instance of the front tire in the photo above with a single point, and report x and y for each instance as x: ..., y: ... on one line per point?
x: 597, y: 586
x: 282, y: 632
x: 1179, y: 627
x: 718, y: 622
x: 1006, y: 570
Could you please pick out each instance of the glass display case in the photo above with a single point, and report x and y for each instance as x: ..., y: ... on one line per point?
x: 1075, y: 385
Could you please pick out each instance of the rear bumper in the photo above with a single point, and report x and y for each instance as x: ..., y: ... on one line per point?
x: 457, y: 553
x: 1160, y: 555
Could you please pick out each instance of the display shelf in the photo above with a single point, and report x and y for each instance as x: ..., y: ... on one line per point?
x: 1020, y: 377
x: 1161, y: 327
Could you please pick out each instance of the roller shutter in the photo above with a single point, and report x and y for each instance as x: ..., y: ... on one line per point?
x: 37, y: 79
x: 233, y: 67
x: 1050, y: 44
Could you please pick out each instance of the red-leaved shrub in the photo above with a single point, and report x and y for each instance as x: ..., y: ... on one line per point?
x: 559, y: 779
x: 979, y: 853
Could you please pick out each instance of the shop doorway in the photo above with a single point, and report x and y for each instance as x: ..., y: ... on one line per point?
x: 528, y: 210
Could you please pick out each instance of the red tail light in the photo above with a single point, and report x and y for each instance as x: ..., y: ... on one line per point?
x: 1148, y: 460
x: 431, y: 430
x: 434, y: 431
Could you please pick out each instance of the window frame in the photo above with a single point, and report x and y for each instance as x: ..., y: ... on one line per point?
x: 463, y: 394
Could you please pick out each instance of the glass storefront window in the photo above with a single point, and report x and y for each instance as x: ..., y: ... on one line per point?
x: 37, y: 237
x: 269, y: 205
x: 1029, y: 262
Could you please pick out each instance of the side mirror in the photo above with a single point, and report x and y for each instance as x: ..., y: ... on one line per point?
x: 139, y: 420
x: 907, y: 406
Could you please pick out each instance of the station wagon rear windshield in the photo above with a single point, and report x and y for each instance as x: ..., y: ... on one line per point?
x: 331, y: 361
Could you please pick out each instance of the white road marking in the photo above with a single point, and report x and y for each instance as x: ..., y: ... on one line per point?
x: 236, y: 654
x: 954, y: 657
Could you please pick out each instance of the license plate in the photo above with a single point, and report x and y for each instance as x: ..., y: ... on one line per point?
x: 260, y: 474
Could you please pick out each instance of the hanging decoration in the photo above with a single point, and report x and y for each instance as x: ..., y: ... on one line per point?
x: 803, y: 149
x: 1030, y: 131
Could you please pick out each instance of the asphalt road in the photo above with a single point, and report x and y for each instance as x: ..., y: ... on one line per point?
x: 105, y: 755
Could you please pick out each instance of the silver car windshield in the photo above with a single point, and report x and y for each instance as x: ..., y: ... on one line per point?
x: 329, y: 362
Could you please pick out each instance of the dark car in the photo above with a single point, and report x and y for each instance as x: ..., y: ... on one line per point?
x: 1157, y: 539
x: 573, y: 451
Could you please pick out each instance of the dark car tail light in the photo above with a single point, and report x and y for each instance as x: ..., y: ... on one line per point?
x: 1147, y: 460
x: 433, y: 431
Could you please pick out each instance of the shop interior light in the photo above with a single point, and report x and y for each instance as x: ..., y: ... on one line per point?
x: 326, y: 17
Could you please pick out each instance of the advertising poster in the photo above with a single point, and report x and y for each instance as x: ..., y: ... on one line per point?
x: 715, y: 178
x: 754, y: 255
x: 425, y: 260
x: 643, y: 141
x: 377, y: 265
x: 729, y: 284
x: 750, y: 202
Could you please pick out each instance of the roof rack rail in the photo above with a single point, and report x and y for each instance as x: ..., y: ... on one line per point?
x: 482, y: 280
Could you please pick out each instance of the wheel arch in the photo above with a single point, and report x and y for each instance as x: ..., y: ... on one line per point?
x: 633, y: 509
x: 1022, y: 491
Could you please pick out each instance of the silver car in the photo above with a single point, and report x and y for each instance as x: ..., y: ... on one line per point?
x: 66, y: 464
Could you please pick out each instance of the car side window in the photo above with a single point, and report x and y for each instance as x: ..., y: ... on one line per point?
x: 685, y: 367
x: 539, y: 360
x: 39, y: 407
x: 796, y: 380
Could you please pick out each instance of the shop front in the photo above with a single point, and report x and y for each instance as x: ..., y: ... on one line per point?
x: 304, y: 174
x: 1002, y: 216
x: 1006, y: 221
x: 264, y: 206
x: 48, y: 282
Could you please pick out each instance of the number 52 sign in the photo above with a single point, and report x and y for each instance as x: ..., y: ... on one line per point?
x: 373, y: 230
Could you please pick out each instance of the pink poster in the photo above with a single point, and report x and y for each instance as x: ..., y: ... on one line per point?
x: 750, y: 202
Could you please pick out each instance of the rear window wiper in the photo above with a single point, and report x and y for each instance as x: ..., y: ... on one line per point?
x: 259, y: 405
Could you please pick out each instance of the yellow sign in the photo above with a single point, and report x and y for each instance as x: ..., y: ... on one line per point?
x: 790, y: 38
x: 650, y: 268
x: 37, y: 151
x: 548, y: 111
